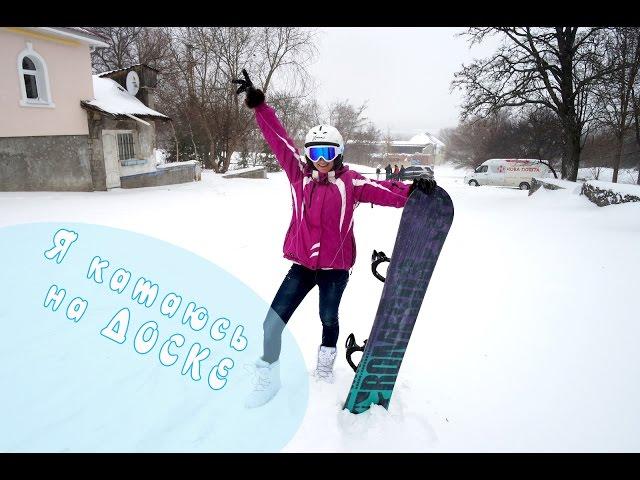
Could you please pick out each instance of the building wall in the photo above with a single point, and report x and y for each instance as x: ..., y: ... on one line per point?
x: 405, y: 149
x: 144, y: 138
x: 164, y: 176
x: 69, y: 69
x: 96, y: 159
x: 257, y: 173
x: 61, y: 162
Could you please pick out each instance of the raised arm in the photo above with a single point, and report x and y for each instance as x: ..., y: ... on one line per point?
x: 281, y: 144
x: 272, y: 129
x: 388, y: 193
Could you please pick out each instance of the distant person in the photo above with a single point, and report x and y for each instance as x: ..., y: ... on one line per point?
x: 378, y: 173
x: 387, y: 170
x: 396, y: 172
x: 402, y: 172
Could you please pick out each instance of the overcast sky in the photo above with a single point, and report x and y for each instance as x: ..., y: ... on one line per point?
x: 404, y: 73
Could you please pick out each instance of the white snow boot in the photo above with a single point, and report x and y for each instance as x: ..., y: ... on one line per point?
x: 267, y: 383
x: 326, y: 359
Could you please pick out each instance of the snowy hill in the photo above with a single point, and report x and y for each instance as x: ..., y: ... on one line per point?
x: 526, y: 340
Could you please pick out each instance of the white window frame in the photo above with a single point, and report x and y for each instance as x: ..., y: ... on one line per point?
x: 42, y: 80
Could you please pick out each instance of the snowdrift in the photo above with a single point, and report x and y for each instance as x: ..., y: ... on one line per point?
x: 607, y: 193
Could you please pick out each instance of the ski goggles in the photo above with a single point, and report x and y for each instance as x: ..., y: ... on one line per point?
x: 328, y: 153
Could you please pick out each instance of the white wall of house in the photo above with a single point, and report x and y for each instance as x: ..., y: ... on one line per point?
x: 68, y: 70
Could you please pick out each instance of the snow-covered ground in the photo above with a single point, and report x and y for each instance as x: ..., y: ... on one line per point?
x: 526, y: 341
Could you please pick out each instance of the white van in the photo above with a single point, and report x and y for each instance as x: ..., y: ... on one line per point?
x: 508, y: 172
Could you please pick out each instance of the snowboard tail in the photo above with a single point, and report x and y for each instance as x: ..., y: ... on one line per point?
x: 424, y: 225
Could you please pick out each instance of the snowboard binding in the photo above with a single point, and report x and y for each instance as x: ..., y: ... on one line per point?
x: 351, y: 347
x: 376, y: 259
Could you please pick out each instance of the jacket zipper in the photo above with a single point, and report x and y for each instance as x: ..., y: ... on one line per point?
x: 317, y: 262
x: 313, y: 187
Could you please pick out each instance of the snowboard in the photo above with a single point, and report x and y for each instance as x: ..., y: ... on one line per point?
x: 425, y: 222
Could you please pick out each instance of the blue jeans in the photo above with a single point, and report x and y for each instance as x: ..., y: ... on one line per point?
x: 295, y: 286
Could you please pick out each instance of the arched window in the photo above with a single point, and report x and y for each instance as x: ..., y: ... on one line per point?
x: 34, y: 80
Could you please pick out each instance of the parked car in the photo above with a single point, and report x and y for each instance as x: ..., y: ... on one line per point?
x: 417, y: 171
x: 509, y: 172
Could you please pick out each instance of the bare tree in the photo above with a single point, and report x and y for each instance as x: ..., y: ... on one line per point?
x: 121, y: 51
x: 473, y: 142
x: 595, y: 172
x: 553, y: 68
x: 615, y: 90
x: 198, y: 90
x: 360, y: 135
x: 636, y: 125
x: 539, y: 136
x: 233, y: 48
x: 177, y: 96
x: 204, y: 61
x: 364, y: 143
x: 535, y: 136
x: 152, y: 46
x: 298, y: 113
x: 284, y: 48
x: 197, y: 65
x: 347, y: 118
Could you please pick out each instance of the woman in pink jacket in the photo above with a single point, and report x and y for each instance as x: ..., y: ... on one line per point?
x: 320, y: 241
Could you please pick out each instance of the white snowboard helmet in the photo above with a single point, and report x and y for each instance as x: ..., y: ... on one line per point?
x: 325, y: 135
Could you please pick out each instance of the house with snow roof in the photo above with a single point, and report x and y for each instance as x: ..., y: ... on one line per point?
x: 122, y: 133
x: 62, y: 128
x: 421, y: 149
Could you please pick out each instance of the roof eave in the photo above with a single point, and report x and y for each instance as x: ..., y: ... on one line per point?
x: 111, y: 72
x: 84, y: 38
x: 121, y: 116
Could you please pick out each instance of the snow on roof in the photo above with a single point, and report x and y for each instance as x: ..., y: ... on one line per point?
x: 77, y: 33
x: 102, y: 74
x: 405, y: 143
x: 243, y: 170
x: 169, y: 166
x: 87, y: 32
x: 420, y: 140
x: 111, y: 98
x: 425, y: 139
x: 513, y: 160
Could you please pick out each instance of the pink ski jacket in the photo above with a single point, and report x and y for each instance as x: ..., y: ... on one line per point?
x: 320, y: 234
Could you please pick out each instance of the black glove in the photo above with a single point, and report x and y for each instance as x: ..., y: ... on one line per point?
x: 254, y: 96
x: 426, y: 185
